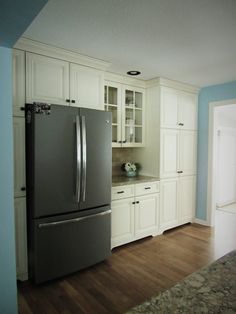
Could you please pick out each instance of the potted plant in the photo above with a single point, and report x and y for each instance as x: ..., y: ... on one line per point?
x: 131, y: 169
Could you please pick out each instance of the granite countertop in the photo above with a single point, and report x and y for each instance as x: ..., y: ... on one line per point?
x: 210, y: 290
x: 123, y: 180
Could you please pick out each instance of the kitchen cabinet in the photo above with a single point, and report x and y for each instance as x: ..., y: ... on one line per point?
x: 60, y: 82
x: 19, y: 156
x: 135, y: 212
x: 21, y: 238
x: 177, y: 201
x: 177, y: 153
x: 178, y: 109
x: 18, y: 82
x: 127, y: 106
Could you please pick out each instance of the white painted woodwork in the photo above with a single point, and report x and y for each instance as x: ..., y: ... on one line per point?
x: 21, y: 238
x: 146, y: 215
x: 122, y: 221
x: 147, y: 188
x: 169, y: 108
x: 187, y: 111
x: 169, y: 153
x: 18, y: 82
x: 47, y: 79
x: 168, y: 203
x: 19, y: 156
x: 123, y: 191
x: 187, y: 198
x: 86, y: 87
x: 187, y: 152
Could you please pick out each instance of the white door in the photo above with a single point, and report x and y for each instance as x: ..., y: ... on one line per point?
x: 187, y: 111
x: 169, y: 153
x: 18, y: 82
x: 21, y: 238
x: 169, y: 108
x: 146, y: 215
x: 122, y: 221
x: 187, y: 152
x: 47, y: 80
x: 86, y: 87
x: 19, y: 156
x: 168, y: 204
x: 187, y: 199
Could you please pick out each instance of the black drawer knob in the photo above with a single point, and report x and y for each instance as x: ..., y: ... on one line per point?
x: 23, y: 188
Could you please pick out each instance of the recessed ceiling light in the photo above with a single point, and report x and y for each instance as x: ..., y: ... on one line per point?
x: 133, y: 73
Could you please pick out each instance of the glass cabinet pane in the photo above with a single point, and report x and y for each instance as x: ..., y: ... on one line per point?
x: 138, y: 100
x: 112, y: 95
x: 138, y: 117
x: 129, y: 134
x: 105, y: 94
x: 129, y: 97
x: 114, y: 134
x: 138, y: 135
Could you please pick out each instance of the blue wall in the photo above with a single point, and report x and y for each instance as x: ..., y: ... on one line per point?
x: 7, y: 240
x: 207, y: 95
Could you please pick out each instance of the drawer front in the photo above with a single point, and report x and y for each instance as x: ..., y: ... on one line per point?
x: 123, y: 191
x: 147, y: 188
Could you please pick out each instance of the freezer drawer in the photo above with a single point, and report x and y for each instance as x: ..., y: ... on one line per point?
x: 66, y: 246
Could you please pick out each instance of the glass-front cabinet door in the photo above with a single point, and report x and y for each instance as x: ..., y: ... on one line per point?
x: 112, y: 103
x: 133, y: 117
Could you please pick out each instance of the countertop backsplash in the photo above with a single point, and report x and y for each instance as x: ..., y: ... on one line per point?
x: 119, y: 156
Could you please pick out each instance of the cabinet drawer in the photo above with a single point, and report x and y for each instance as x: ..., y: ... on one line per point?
x: 146, y: 188
x: 123, y: 191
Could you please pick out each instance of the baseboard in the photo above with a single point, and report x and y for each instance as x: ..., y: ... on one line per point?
x: 201, y: 222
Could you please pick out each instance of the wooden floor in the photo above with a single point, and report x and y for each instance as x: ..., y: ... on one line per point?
x: 132, y: 274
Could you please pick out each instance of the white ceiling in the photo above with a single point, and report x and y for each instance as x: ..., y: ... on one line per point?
x: 192, y: 41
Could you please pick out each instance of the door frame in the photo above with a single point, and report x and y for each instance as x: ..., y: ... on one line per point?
x: 212, y: 162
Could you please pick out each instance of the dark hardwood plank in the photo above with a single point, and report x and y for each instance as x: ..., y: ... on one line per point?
x: 132, y: 274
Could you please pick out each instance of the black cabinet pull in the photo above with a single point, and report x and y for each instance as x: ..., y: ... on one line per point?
x: 120, y: 192
x: 179, y: 171
x: 73, y: 101
x: 22, y: 108
x: 133, y: 202
x: 147, y: 188
x: 124, y: 141
x: 119, y: 141
x: 137, y: 202
x: 67, y: 100
x: 23, y: 188
x: 182, y: 124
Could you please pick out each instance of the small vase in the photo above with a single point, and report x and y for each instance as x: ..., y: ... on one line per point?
x: 131, y: 173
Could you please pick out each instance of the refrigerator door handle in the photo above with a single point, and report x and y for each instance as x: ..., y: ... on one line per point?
x: 78, y: 158
x: 63, y: 222
x: 84, y: 158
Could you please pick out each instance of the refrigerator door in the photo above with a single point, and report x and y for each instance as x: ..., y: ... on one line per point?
x: 51, y: 141
x: 68, y: 244
x: 96, y: 158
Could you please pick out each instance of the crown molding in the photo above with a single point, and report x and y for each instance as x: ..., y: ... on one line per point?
x: 122, y: 79
x: 159, y: 81
x: 59, y: 53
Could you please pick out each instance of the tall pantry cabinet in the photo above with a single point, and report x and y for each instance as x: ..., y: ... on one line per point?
x: 171, y: 148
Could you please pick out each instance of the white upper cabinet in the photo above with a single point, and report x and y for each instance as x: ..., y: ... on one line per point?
x: 18, y: 70
x: 86, y: 87
x: 47, y: 80
x: 19, y: 156
x: 178, y: 109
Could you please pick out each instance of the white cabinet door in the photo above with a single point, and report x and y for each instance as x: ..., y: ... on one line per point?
x: 47, y: 80
x: 169, y: 108
x: 18, y: 71
x: 168, y: 204
x: 146, y: 215
x: 187, y: 114
x: 21, y: 238
x: 86, y: 87
x: 19, y: 156
x: 122, y: 221
x: 187, y: 152
x: 187, y: 199
x: 169, y: 161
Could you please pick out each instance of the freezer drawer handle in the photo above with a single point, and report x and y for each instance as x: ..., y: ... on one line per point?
x: 84, y: 158
x: 120, y: 192
x: 63, y: 222
x: 78, y: 158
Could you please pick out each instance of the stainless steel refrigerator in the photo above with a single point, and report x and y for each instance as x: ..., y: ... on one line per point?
x: 68, y: 174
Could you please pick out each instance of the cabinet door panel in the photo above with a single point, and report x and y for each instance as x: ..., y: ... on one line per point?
x: 187, y: 111
x: 146, y: 215
x: 47, y: 79
x: 187, y: 152
x: 86, y: 87
x: 169, y: 153
x: 18, y: 69
x: 21, y: 238
x: 19, y: 156
x: 122, y: 221
x: 169, y: 204
x: 169, y: 109
x: 187, y: 192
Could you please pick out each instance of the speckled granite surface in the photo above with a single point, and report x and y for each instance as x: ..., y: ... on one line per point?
x: 209, y: 290
x: 123, y: 180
